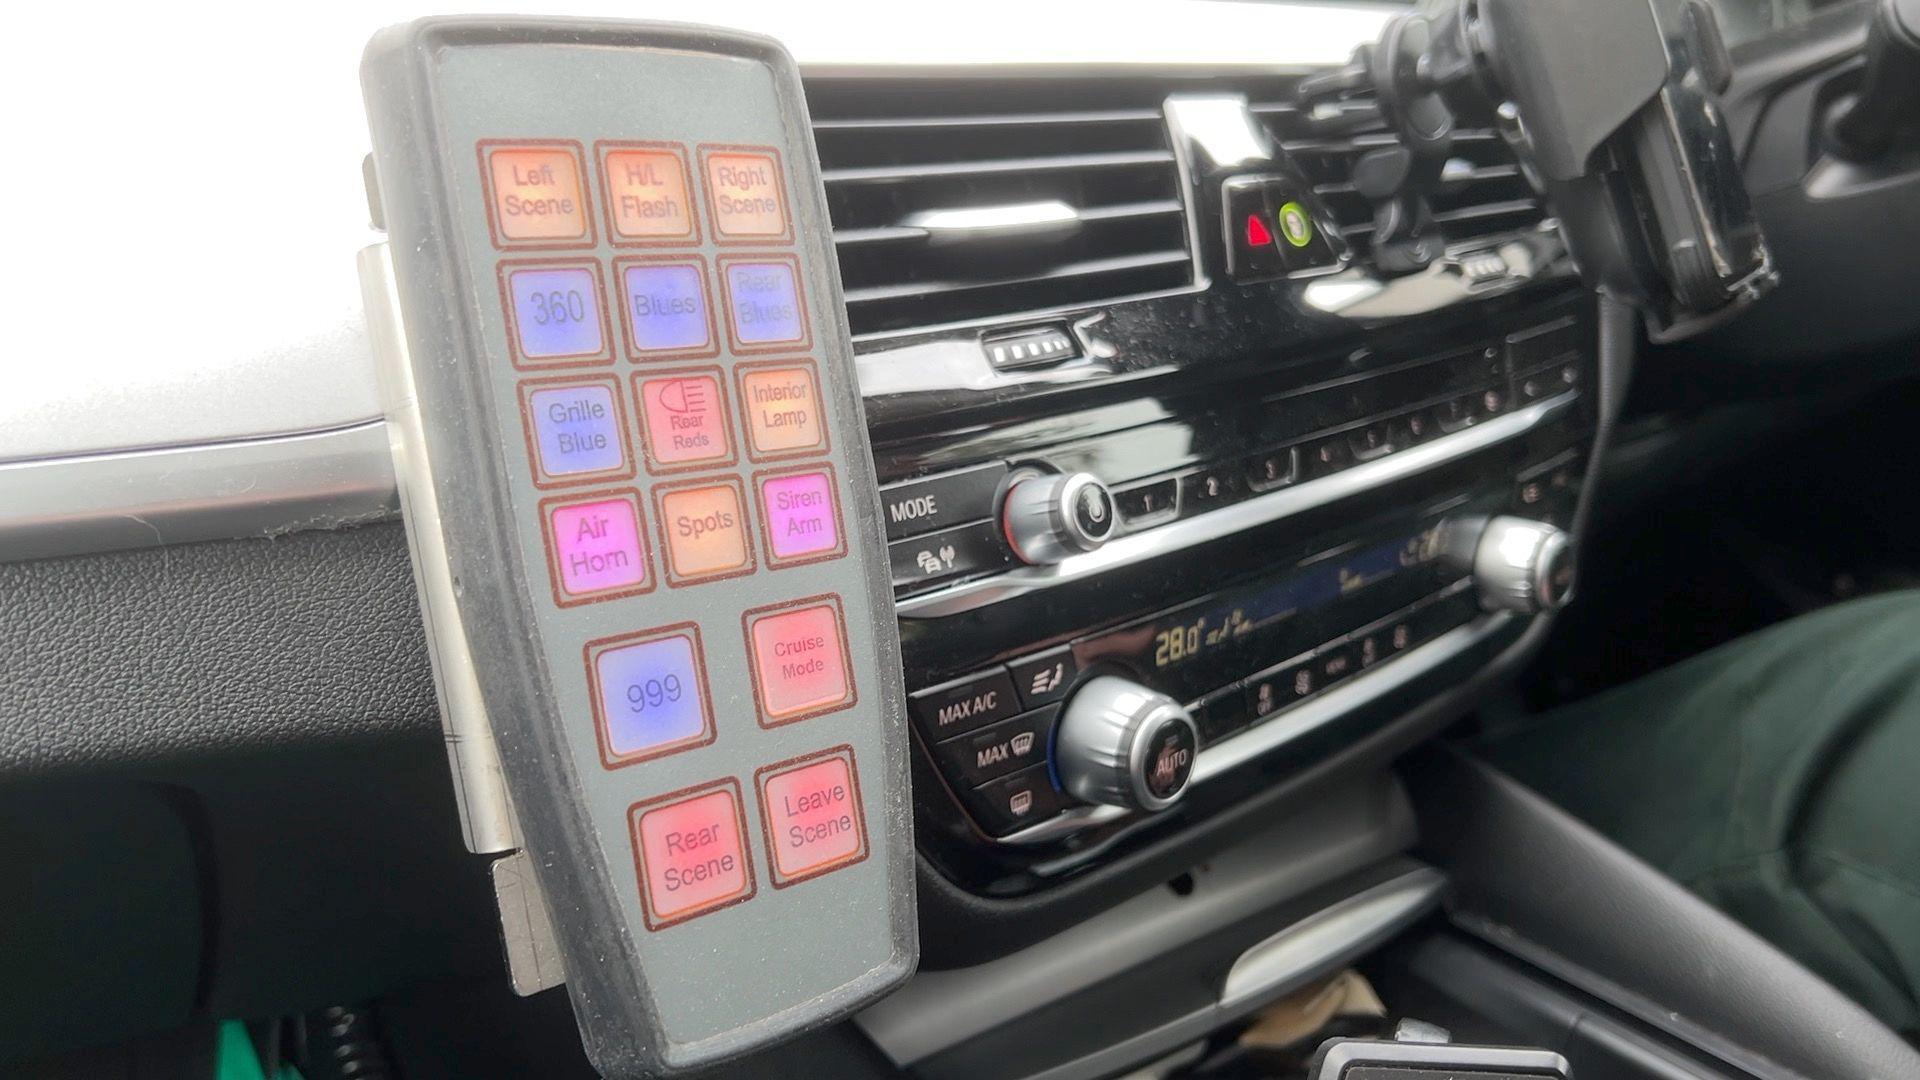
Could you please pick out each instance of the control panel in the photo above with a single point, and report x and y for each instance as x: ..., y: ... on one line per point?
x: 645, y: 516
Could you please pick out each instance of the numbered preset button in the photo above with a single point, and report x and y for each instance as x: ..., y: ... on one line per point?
x: 811, y: 810
x: 596, y: 546
x: 691, y: 850
x: 649, y: 694
x: 646, y: 190
x: 800, y: 515
x: 663, y: 304
x: 535, y: 194
x: 576, y: 430
x: 555, y: 313
x: 799, y: 659
x: 746, y: 193
x: 764, y: 308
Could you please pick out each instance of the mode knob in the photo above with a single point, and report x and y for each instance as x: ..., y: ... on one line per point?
x: 1524, y: 566
x: 1050, y: 517
x: 1121, y: 744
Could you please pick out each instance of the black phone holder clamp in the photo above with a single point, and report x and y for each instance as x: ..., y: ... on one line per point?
x: 1614, y: 114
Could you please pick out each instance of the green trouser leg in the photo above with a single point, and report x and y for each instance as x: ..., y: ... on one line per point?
x: 1778, y: 777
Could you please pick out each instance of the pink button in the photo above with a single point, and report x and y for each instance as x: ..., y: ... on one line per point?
x: 800, y: 515
x: 686, y: 418
x: 813, y: 815
x: 692, y: 858
x: 799, y: 661
x: 597, y: 547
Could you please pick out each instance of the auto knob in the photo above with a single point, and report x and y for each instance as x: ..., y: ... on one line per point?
x: 1050, y: 516
x: 1121, y: 744
x: 1524, y: 566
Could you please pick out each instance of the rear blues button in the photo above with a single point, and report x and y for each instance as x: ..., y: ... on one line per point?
x: 556, y: 312
x: 763, y: 302
x: 665, y: 307
x: 576, y: 431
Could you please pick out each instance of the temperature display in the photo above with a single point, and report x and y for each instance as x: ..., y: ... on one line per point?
x: 1189, y: 640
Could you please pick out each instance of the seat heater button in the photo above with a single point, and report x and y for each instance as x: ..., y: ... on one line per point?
x: 1045, y: 678
x: 965, y: 704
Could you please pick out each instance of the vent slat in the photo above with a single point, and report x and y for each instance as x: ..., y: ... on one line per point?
x: 892, y: 123
x: 1071, y: 270
x: 891, y: 173
x: 1119, y: 212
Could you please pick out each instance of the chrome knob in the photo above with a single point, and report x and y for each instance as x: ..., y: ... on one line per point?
x: 1524, y: 566
x: 1052, y: 516
x: 1121, y: 744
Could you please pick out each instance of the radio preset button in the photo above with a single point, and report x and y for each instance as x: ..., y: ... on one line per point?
x: 965, y: 704
x: 937, y: 502
x: 1014, y: 802
x: 995, y: 751
x: 1275, y: 469
x: 1044, y: 678
x: 935, y: 557
x: 1147, y: 503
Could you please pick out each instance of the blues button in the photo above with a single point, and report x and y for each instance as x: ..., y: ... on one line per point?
x: 666, y: 308
x: 648, y: 696
x: 577, y: 430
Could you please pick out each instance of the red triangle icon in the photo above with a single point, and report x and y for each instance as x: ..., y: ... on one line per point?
x: 1258, y: 235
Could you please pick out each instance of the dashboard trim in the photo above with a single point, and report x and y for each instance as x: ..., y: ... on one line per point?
x: 1257, y: 511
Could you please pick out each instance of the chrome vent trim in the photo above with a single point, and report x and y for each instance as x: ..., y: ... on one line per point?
x: 955, y: 202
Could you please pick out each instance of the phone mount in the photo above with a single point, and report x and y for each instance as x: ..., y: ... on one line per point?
x: 1613, y: 111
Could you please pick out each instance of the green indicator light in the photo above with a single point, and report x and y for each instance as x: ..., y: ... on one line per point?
x: 1295, y: 225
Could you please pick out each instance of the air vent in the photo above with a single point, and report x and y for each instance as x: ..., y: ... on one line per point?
x: 956, y: 199
x: 1482, y: 193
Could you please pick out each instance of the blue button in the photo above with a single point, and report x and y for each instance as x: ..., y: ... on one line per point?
x: 650, y: 696
x: 577, y: 429
x: 667, y: 307
x: 765, y: 302
x: 556, y: 312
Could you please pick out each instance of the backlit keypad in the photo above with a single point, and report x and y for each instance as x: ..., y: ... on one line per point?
x: 691, y: 448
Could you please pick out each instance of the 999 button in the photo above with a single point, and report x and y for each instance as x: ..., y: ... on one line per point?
x: 649, y: 694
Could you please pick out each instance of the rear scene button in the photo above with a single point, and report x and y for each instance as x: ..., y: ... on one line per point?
x: 993, y: 752
x: 936, y: 502
x: 691, y: 855
x: 1014, y: 802
x: 799, y: 660
x: 814, y: 820
x: 935, y: 557
x: 964, y: 704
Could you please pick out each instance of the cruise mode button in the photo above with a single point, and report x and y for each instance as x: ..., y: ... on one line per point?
x: 938, y: 502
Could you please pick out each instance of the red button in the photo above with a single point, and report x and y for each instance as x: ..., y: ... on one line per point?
x: 799, y: 660
x: 684, y: 418
x: 692, y: 858
x: 813, y: 816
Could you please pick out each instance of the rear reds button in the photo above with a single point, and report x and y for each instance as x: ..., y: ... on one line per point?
x: 597, y: 546
x: 706, y: 530
x: 576, y: 430
x: 536, y: 194
x: 998, y: 750
x: 684, y: 418
x: 963, y: 705
x: 556, y: 312
x: 1046, y: 677
x: 691, y: 856
x: 763, y: 300
x: 799, y: 662
x: 1014, y: 802
x: 800, y: 514
x: 920, y: 506
x: 781, y: 408
x: 969, y: 549
x: 666, y: 308
x: 649, y: 695
x: 746, y: 196
x: 647, y: 195
x: 1168, y: 759
x: 814, y: 819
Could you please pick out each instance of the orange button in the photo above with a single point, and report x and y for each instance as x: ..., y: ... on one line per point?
x: 813, y: 816
x: 745, y: 192
x: 684, y: 417
x: 536, y: 194
x: 692, y: 858
x: 781, y: 407
x: 799, y: 660
x: 646, y: 191
x: 705, y: 527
